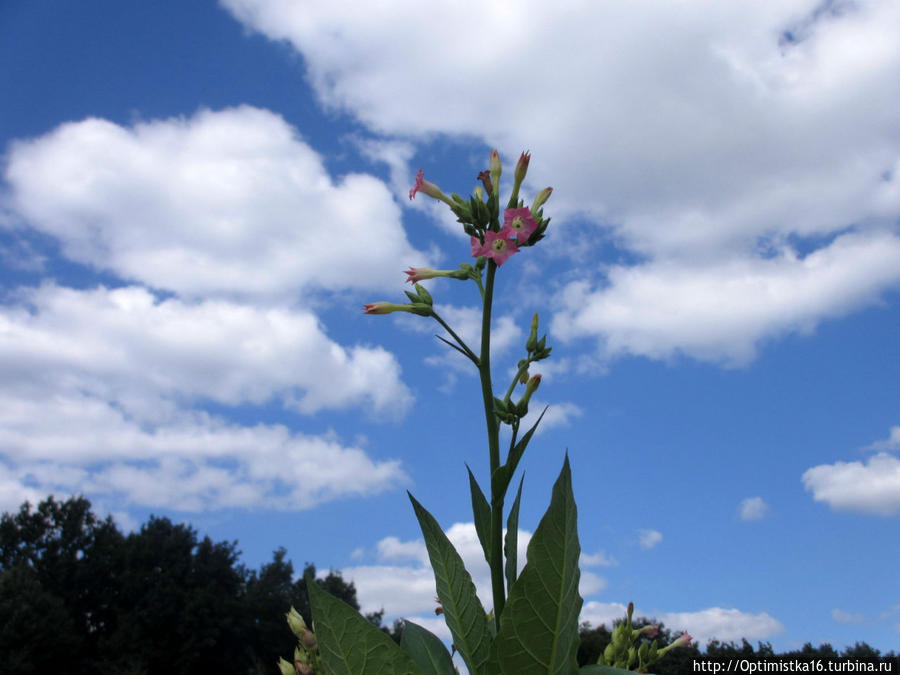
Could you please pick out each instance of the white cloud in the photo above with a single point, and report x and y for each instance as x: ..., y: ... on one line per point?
x: 753, y: 508
x: 892, y: 442
x: 720, y: 311
x: 841, y: 616
x: 75, y: 443
x: 600, y: 558
x: 97, y: 395
x: 870, y: 487
x: 230, y: 202
x: 721, y: 624
x: 558, y: 414
x: 649, y: 538
x: 125, y: 345
x: 692, y: 133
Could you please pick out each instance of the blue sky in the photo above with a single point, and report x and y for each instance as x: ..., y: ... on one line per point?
x: 197, y: 199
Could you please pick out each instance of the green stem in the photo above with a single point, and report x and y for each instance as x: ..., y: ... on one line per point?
x: 493, y: 431
x: 523, y: 369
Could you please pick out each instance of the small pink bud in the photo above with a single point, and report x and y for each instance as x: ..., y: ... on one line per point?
x: 522, y: 167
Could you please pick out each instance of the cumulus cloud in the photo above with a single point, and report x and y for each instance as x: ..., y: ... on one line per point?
x: 706, y: 141
x: 76, y: 443
x: 100, y: 388
x: 726, y: 625
x: 753, y: 508
x: 229, y: 202
x: 649, y: 538
x: 866, y: 487
x: 143, y: 353
x: 720, y: 311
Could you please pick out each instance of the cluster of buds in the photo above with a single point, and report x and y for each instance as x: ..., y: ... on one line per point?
x: 491, y: 240
x: 306, y: 653
x: 522, y: 226
x: 507, y: 411
x: 623, y: 650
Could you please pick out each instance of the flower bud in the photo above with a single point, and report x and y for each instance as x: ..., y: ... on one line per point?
x: 485, y: 178
x: 496, y: 170
x: 522, y: 167
x: 286, y: 668
x: 308, y: 639
x: 479, y: 193
x: 424, y: 294
x: 531, y: 344
x: 540, y: 199
x: 295, y: 621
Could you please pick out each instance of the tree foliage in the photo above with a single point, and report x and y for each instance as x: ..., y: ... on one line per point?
x: 78, y: 596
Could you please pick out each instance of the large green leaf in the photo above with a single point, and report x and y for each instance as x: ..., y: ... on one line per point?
x: 511, y: 544
x: 539, y: 625
x: 481, y: 511
x: 350, y: 644
x: 426, y: 649
x: 463, y: 611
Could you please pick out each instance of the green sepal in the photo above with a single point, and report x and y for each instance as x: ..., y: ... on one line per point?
x: 413, y: 297
x: 349, y: 644
x: 539, y: 626
x: 481, y: 511
x: 511, y: 543
x: 424, y: 295
x: 426, y: 650
x: 463, y: 611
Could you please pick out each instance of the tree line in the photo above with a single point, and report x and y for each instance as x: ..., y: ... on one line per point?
x: 79, y: 596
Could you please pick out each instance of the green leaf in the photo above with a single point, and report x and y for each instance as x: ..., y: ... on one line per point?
x: 539, y: 626
x: 511, y: 543
x: 502, y: 475
x: 426, y: 649
x: 463, y: 611
x: 349, y: 643
x: 481, y: 510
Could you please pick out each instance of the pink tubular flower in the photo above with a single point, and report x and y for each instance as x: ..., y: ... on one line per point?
x: 381, y: 308
x: 497, y: 245
x: 683, y: 641
x: 429, y: 189
x: 521, y: 222
x: 416, y: 274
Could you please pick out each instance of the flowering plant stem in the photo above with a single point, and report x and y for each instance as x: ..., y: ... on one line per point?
x: 493, y: 432
x: 534, y: 627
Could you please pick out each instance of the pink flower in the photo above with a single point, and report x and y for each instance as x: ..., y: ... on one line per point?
x: 429, y: 189
x: 497, y: 245
x: 521, y: 222
x: 683, y: 641
x: 381, y: 308
x: 416, y: 274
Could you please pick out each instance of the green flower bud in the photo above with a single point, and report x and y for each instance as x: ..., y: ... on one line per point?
x: 609, y: 654
x: 295, y: 621
x: 286, y: 668
x: 540, y: 199
x: 424, y: 295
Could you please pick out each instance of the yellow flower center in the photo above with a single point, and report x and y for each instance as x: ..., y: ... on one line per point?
x: 498, y: 245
